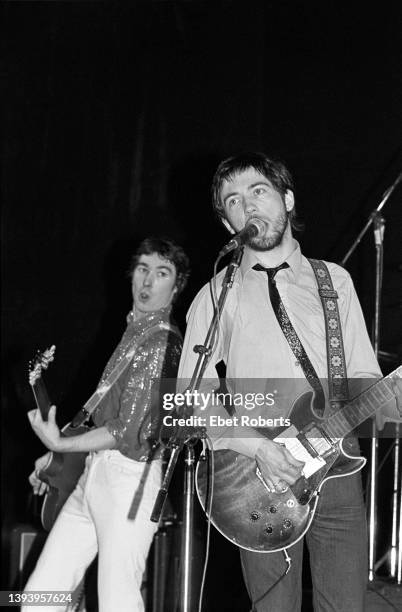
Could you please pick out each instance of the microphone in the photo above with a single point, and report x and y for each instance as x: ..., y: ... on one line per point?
x: 254, y: 228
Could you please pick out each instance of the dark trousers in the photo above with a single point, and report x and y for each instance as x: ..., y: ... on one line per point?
x: 337, y: 544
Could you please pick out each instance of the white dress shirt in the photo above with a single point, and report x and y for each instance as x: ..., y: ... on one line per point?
x: 252, y: 345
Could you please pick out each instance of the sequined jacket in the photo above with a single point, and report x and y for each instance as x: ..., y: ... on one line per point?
x: 132, y: 408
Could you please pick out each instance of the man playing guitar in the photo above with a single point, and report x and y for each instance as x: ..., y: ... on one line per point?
x: 272, y: 329
x: 109, y: 510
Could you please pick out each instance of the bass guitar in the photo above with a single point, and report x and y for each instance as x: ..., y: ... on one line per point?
x: 247, y: 513
x: 62, y: 471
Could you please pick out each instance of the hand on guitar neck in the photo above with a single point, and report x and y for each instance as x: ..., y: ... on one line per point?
x: 277, y: 466
x: 47, y: 431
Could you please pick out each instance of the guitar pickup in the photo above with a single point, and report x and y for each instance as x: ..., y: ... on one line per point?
x: 310, y: 448
x: 316, y: 441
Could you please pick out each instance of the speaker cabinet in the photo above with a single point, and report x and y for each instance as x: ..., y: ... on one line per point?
x: 26, y: 543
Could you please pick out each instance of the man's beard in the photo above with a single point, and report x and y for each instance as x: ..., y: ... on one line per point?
x: 274, y: 235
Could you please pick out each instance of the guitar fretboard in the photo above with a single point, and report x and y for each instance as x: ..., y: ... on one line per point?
x: 342, y: 422
x: 41, y: 398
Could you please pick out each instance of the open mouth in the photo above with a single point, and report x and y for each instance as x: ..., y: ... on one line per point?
x: 144, y: 296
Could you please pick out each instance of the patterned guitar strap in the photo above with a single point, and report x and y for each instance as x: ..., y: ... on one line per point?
x: 337, y: 376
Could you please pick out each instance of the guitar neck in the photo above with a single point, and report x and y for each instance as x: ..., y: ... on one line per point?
x: 362, y: 407
x: 41, y: 398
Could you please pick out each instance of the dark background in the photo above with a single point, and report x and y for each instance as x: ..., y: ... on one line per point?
x: 116, y: 115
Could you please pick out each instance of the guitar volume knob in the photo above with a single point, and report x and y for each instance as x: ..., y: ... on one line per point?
x: 254, y: 516
x: 287, y: 524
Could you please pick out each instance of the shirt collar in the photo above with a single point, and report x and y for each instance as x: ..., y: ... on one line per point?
x: 294, y: 260
x: 162, y: 313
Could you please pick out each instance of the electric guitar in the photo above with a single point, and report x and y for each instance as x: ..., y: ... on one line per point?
x: 62, y: 470
x: 243, y: 508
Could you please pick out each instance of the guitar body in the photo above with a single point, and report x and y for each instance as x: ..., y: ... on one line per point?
x: 247, y: 513
x: 64, y: 469
x: 61, y: 473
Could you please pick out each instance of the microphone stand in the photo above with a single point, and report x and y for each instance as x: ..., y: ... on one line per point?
x: 378, y: 220
x: 379, y: 224
x: 189, y: 436
x: 385, y: 197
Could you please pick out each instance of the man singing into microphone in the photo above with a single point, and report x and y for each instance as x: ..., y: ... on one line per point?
x: 273, y: 328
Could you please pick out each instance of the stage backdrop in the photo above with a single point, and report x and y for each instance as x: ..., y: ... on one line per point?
x: 116, y: 116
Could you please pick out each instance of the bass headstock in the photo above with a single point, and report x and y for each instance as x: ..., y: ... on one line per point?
x: 40, y: 362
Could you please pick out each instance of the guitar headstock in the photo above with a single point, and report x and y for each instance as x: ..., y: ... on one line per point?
x: 40, y: 362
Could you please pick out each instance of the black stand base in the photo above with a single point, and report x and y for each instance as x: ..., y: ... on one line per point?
x: 383, y: 596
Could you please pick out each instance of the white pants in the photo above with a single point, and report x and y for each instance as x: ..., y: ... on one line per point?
x: 108, y: 513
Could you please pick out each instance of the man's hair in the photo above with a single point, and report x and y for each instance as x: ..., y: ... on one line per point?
x: 169, y: 250
x: 273, y: 170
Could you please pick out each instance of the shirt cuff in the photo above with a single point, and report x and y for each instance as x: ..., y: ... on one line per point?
x: 244, y: 446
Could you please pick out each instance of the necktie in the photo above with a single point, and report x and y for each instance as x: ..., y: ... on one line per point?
x: 287, y: 328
